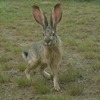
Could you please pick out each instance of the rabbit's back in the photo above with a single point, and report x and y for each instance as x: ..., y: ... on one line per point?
x: 35, y: 51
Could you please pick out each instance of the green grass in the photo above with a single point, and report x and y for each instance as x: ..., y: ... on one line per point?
x: 91, y: 55
x: 22, y: 67
x: 6, y: 67
x: 5, y: 58
x: 70, y: 75
x: 75, y: 89
x: 80, y: 34
x: 16, y: 50
x: 2, y: 78
x: 23, y: 82
x: 96, y: 65
x: 41, y: 86
x: 57, y: 97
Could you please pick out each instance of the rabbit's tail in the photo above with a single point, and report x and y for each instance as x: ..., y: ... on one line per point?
x: 25, y: 55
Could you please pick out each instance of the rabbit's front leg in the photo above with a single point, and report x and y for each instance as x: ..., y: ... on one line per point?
x: 55, y: 70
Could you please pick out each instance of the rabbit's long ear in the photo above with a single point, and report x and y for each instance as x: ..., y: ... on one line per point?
x: 56, y: 15
x: 39, y: 16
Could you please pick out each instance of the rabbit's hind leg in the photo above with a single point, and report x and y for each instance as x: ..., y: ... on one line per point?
x: 31, y: 65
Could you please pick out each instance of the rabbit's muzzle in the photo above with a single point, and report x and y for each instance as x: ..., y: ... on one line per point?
x: 47, y: 42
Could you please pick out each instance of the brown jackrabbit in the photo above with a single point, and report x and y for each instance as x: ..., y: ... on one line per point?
x: 47, y: 52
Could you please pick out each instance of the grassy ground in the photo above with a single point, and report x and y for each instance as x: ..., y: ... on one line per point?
x: 80, y: 33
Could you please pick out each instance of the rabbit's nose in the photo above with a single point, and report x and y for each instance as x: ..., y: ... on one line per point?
x: 47, y: 41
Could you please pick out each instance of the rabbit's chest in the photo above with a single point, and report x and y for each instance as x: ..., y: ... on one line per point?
x: 52, y: 56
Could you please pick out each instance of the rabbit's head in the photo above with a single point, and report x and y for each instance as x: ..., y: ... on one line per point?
x: 50, y: 35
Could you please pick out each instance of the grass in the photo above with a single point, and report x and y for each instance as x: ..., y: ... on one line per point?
x: 22, y: 67
x: 6, y: 67
x: 5, y: 58
x: 57, y: 97
x: 75, y: 89
x: 23, y: 82
x: 70, y: 75
x: 80, y: 34
x: 16, y: 50
x: 2, y: 78
x: 41, y: 86
x: 90, y: 55
x: 96, y: 65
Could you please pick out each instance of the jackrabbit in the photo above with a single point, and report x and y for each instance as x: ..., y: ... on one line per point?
x: 47, y: 52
